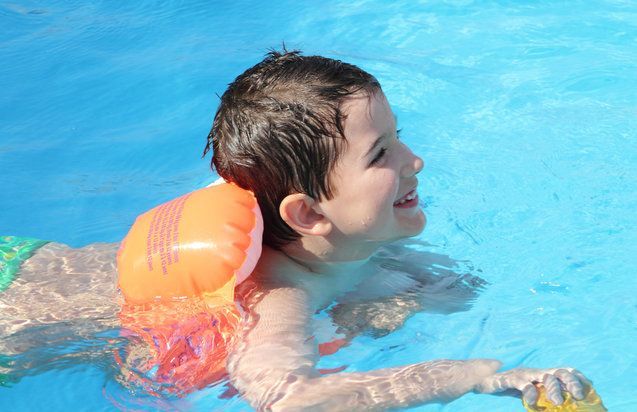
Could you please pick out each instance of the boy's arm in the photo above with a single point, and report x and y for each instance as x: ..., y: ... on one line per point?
x: 406, y: 281
x: 273, y: 366
x: 400, y: 296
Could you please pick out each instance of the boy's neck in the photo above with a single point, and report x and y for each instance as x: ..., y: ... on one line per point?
x: 321, y: 257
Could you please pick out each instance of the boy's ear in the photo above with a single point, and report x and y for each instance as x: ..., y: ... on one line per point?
x: 299, y: 211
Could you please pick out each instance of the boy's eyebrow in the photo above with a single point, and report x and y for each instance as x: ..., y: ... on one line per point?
x: 379, y: 139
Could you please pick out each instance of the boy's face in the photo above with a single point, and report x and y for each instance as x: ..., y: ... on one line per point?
x: 375, y: 178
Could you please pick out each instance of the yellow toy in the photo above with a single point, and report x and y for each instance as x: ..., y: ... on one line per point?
x: 591, y: 403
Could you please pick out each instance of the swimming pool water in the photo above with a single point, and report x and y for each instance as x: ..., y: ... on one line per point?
x: 525, y: 113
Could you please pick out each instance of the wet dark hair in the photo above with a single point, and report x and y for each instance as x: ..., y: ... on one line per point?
x: 279, y: 130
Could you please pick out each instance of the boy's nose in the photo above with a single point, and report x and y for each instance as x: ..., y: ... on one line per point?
x: 413, y: 166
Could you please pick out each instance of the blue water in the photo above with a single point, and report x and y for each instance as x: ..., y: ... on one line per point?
x: 524, y: 111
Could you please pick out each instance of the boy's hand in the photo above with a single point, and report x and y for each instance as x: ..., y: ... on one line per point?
x: 523, y: 379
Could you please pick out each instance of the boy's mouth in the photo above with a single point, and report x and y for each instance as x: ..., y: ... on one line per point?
x: 407, y: 201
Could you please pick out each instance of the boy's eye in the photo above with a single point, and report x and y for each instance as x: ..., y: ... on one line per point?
x: 378, y: 156
x: 381, y: 153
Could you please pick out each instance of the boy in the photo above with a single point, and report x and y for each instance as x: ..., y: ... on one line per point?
x: 316, y: 141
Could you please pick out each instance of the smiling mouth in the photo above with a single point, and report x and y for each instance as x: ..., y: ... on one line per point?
x: 409, y: 200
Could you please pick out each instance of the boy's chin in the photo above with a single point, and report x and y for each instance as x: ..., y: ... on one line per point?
x: 417, y: 226
x: 412, y: 230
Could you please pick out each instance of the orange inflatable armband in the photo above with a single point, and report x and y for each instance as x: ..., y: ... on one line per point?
x: 199, y: 245
x: 178, y: 267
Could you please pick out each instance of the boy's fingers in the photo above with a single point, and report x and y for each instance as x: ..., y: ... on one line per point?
x: 553, y: 389
x: 582, y: 378
x: 571, y: 383
x: 529, y: 394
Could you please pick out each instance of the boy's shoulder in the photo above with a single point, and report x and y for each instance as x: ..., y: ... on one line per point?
x: 275, y: 270
x: 374, y: 278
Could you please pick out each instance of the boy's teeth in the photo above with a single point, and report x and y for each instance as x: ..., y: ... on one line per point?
x: 409, y: 196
